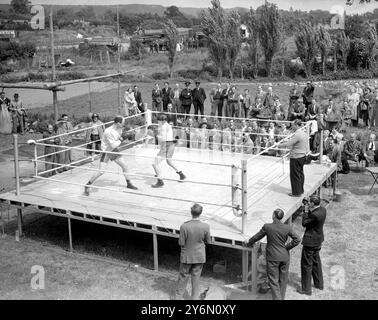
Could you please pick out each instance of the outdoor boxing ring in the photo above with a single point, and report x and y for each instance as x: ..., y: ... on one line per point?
x: 238, y: 191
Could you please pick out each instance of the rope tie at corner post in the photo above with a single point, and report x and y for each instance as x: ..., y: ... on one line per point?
x: 235, y: 189
x: 244, y: 177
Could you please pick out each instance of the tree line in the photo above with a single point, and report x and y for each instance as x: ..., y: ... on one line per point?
x: 354, y: 48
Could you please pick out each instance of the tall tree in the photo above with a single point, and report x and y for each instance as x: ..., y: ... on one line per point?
x: 344, y: 47
x: 213, y: 24
x: 340, y: 47
x: 233, y: 39
x: 270, y: 32
x: 371, y: 45
x: 253, y: 40
x: 324, y: 41
x: 305, y: 41
x: 354, y: 26
x: 21, y: 6
x: 171, y: 34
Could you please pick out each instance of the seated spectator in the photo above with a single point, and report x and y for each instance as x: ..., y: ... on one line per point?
x: 226, y: 140
x: 279, y: 112
x: 216, y: 134
x: 334, y: 133
x: 247, y: 143
x: 284, y: 130
x: 203, y: 137
x: 265, y: 144
x: 273, y: 132
x: 353, y: 149
x: 244, y: 126
x: 296, y: 111
x: 256, y: 108
x: 370, y: 151
x: 238, y: 141
x: 255, y: 131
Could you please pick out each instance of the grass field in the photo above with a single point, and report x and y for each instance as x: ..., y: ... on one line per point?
x: 106, y: 102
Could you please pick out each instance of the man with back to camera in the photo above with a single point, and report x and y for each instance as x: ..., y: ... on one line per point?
x: 167, y: 148
x: 111, y: 140
x: 299, y: 147
x: 311, y: 266
x: 277, y: 252
x: 194, y: 234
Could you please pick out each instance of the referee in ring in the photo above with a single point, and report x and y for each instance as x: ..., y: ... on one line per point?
x: 167, y: 149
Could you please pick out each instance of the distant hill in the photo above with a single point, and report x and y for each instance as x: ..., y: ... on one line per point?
x: 4, y: 7
x: 128, y: 8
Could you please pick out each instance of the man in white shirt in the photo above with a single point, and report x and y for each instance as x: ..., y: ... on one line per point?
x: 111, y: 140
x: 167, y: 149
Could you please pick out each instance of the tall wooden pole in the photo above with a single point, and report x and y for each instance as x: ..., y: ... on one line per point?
x: 55, y: 93
x: 119, y: 63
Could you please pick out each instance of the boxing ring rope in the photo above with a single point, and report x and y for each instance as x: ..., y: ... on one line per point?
x: 89, y: 128
x: 191, y: 115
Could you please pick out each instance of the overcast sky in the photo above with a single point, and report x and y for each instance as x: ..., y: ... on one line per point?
x: 305, y: 5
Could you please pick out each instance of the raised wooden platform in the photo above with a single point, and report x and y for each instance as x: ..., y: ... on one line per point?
x: 148, y: 210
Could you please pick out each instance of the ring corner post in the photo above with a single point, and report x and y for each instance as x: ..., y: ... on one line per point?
x: 36, y: 160
x: 245, y: 253
x: 70, y: 232
x: 155, y: 249
x: 321, y: 147
x: 334, y: 187
x: 148, y: 117
x: 16, y: 163
x: 244, y: 194
x: 254, y: 270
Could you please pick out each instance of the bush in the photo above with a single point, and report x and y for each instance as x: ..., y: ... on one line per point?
x: 346, y: 74
x: 190, y: 74
x: 16, y: 50
x: 135, y: 51
x: 160, y: 75
x: 5, y: 69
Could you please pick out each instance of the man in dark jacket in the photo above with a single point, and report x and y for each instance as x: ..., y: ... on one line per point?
x: 138, y: 98
x: 186, y: 99
x: 157, y: 98
x: 277, y: 252
x: 199, y: 97
x: 308, y: 94
x: 311, y: 266
x: 194, y: 234
x: 167, y: 93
